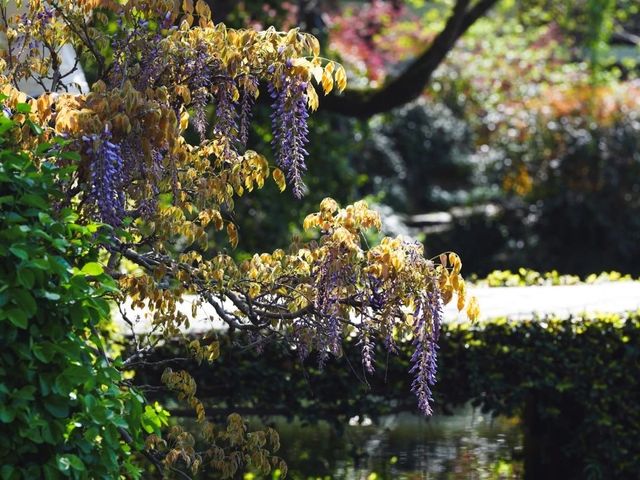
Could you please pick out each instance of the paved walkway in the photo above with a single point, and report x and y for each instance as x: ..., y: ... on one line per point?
x: 513, y: 302
x: 523, y: 302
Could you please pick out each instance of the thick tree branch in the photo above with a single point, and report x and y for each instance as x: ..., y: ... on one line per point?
x: 412, y: 82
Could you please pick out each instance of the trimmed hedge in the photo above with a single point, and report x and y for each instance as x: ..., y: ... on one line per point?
x: 574, y: 382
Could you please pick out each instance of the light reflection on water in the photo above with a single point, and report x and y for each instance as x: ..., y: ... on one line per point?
x: 465, y: 446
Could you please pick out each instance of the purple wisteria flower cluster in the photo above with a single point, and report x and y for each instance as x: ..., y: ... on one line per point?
x: 247, y: 101
x: 226, y: 126
x: 374, y: 297
x: 290, y: 130
x: 428, y: 318
x: 106, y: 170
x: 329, y: 277
x: 197, y: 72
x: 148, y: 172
x: 208, y: 84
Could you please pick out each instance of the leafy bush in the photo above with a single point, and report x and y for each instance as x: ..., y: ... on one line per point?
x: 570, y: 380
x: 577, y: 169
x: 527, y: 277
x: 563, y: 167
x: 64, y: 411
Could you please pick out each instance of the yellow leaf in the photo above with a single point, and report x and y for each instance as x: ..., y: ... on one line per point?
x: 317, y: 73
x: 314, y: 45
x: 473, y: 309
x: 204, y: 217
x: 203, y: 9
x: 447, y: 293
x: 329, y: 205
x: 341, y: 78
x: 327, y: 81
x: 312, y: 97
x: 455, y: 262
x: 292, y: 35
x: 254, y: 290
x: 461, y: 302
x: 310, y: 221
x: 184, y: 92
x: 279, y: 178
x: 217, y: 219
x: 232, y: 232
x: 184, y: 120
x: 187, y: 6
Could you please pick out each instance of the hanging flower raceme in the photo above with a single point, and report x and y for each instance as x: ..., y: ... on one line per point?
x: 106, y: 177
x: 247, y: 100
x: 290, y: 129
x: 197, y: 72
x: 226, y: 126
x: 427, y: 320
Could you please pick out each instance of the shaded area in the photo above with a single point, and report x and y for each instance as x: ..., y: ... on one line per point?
x: 569, y: 380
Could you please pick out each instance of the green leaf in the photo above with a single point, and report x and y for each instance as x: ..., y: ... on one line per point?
x: 50, y: 295
x: 75, y: 462
x: 64, y: 464
x: 6, y: 124
x: 78, y: 373
x: 17, y: 317
x: 92, y: 268
x: 75, y: 156
x: 43, y: 148
x: 25, y: 393
x: 23, y: 108
x: 7, y: 414
x: 24, y: 301
x: 42, y: 352
x: 150, y: 420
x: 7, y: 471
x: 37, y: 129
x: 19, y: 252
x: 34, y: 201
x: 25, y: 277
x: 40, y: 263
x: 57, y: 406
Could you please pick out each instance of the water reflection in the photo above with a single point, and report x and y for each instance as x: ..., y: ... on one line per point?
x: 467, y: 445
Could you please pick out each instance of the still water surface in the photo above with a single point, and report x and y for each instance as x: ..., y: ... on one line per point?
x: 467, y: 446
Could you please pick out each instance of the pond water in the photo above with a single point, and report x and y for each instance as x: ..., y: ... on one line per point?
x: 467, y: 445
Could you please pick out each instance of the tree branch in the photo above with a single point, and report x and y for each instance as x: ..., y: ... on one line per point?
x: 411, y: 83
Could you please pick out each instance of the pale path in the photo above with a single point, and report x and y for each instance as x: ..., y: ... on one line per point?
x: 512, y: 302
x: 522, y: 302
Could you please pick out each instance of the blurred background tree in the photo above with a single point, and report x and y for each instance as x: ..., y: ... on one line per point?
x: 516, y: 121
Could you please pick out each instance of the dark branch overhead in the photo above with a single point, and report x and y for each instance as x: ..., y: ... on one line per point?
x: 412, y: 82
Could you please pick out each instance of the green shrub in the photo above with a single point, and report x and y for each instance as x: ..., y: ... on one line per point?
x: 64, y: 411
x: 527, y: 277
x: 577, y: 168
